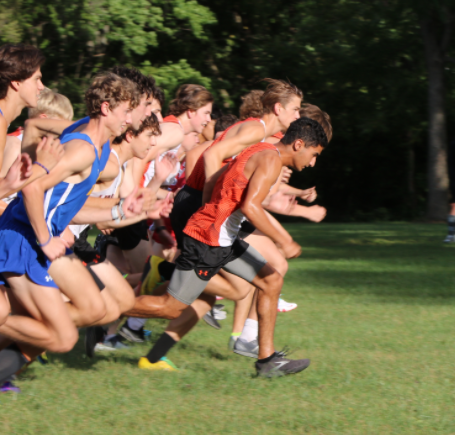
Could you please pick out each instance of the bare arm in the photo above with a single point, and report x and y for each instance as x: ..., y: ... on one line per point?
x: 193, y: 155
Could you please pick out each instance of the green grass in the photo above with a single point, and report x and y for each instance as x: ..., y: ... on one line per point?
x: 376, y: 316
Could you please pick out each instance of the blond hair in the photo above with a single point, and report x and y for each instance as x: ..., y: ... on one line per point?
x: 278, y: 91
x: 52, y: 104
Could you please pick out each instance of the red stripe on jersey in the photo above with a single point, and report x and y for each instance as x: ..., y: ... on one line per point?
x: 215, y: 223
x: 171, y: 118
x: 196, y: 180
x: 278, y: 135
x: 16, y: 133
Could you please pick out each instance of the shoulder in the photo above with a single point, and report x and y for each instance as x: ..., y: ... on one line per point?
x: 80, y: 150
x: 251, y: 130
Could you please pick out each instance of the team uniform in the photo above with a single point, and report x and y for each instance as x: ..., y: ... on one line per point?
x: 210, y: 240
x: 19, y: 250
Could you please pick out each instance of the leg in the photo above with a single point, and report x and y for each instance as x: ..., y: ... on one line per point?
x: 135, y: 257
x: 116, y: 257
x: 4, y: 305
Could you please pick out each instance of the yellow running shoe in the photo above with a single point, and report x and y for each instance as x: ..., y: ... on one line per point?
x: 162, y: 364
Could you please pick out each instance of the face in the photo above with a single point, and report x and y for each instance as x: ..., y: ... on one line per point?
x: 305, y: 157
x: 200, y: 118
x: 190, y: 141
x: 30, y: 89
x: 148, y: 106
x: 156, y: 109
x: 138, y: 114
x: 289, y: 112
x: 209, y: 130
x: 119, y: 118
x: 141, y: 144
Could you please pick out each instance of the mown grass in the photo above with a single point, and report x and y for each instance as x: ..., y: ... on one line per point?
x: 376, y: 316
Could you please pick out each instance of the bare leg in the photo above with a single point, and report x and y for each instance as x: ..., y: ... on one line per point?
x: 115, y: 255
x: 135, y: 257
x: 161, y: 307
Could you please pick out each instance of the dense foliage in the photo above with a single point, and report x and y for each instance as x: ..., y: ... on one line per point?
x: 362, y: 62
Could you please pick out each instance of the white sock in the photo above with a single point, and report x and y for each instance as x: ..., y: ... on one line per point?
x: 135, y: 323
x: 250, y: 330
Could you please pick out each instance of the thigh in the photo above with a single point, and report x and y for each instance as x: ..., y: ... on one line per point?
x: 115, y: 255
x: 248, y: 265
x: 136, y: 257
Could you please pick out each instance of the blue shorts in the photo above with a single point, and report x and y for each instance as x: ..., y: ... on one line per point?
x: 20, y: 254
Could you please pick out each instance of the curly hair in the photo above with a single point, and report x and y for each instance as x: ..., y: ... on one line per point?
x: 224, y: 122
x: 112, y: 89
x: 314, y: 112
x: 159, y: 96
x: 189, y: 97
x: 252, y: 105
x: 18, y: 62
x: 278, y: 91
x: 145, y: 84
x: 308, y: 130
x: 149, y: 123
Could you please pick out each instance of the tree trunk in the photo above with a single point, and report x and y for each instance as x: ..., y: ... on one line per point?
x: 438, y: 179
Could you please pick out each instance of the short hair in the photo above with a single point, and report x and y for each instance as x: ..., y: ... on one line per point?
x: 113, y: 89
x: 18, y: 62
x: 189, y: 97
x: 224, y: 122
x: 307, y: 129
x: 149, y: 123
x: 159, y: 95
x: 52, y: 104
x: 314, y: 112
x: 252, y: 105
x: 145, y: 84
x: 278, y: 91
x: 217, y: 113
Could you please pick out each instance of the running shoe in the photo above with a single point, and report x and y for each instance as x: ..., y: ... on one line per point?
x: 163, y: 364
x: 284, y: 307
x: 449, y: 239
x: 9, y: 387
x: 232, y: 340
x: 218, y: 307
x: 111, y: 344
x: 93, y: 335
x: 209, y: 318
x: 219, y: 298
x: 43, y: 359
x: 132, y: 335
x: 219, y: 314
x: 280, y: 366
x: 247, y: 348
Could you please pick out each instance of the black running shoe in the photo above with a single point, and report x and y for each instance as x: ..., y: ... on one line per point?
x: 93, y: 335
x: 280, y: 366
x: 131, y: 335
x: 209, y: 318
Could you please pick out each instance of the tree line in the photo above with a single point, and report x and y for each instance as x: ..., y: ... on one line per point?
x: 382, y: 69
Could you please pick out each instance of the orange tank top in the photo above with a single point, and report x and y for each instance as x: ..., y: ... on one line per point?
x: 196, y: 180
x: 218, y: 222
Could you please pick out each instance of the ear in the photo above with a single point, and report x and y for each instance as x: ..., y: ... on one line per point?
x: 277, y: 108
x: 42, y: 115
x: 298, y: 145
x: 15, y: 85
x: 105, y: 108
x: 129, y: 136
x: 190, y: 113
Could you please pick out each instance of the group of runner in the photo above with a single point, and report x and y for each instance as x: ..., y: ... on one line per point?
x: 182, y: 202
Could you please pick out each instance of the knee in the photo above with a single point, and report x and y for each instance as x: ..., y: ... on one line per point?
x: 95, y: 312
x: 170, y: 313
x: 127, y: 302
x: 4, y: 312
x: 63, y: 342
x: 281, y: 265
x: 274, y: 282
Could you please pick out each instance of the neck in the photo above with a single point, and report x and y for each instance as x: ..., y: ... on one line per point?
x: 272, y: 124
x: 186, y: 123
x: 11, y: 107
x: 97, y: 131
x: 123, y: 151
x: 285, y: 153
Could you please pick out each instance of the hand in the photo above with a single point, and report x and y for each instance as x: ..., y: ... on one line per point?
x: 165, y: 166
x: 19, y: 171
x: 309, y: 195
x: 161, y: 208
x: 108, y: 231
x: 56, y: 248
x: 316, y: 213
x: 281, y: 203
x: 285, y: 174
x: 291, y: 250
x: 68, y: 236
x: 137, y: 201
x: 48, y: 152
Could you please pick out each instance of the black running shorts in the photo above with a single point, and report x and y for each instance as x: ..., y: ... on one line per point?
x: 129, y: 237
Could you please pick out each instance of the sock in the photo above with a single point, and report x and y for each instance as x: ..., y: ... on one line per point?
x: 161, y: 348
x: 265, y: 360
x: 11, y: 361
x: 236, y: 334
x: 451, y: 224
x: 108, y: 337
x: 250, y: 330
x: 135, y: 323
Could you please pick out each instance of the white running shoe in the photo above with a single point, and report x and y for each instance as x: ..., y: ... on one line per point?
x: 284, y: 307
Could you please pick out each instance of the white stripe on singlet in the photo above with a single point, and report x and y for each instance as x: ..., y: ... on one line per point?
x: 60, y: 202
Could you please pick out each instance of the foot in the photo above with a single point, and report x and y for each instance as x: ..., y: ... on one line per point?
x: 93, y: 335
x: 211, y: 321
x: 247, y: 348
x: 163, y: 364
x: 218, y: 313
x: 9, y: 387
x: 111, y: 344
x: 284, y: 307
x: 232, y: 340
x: 132, y: 335
x: 43, y: 359
x: 449, y: 239
x: 278, y: 365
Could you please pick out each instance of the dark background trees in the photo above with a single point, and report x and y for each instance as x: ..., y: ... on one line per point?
x: 381, y: 69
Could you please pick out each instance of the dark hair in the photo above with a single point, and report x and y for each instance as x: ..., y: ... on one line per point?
x: 18, y: 62
x: 189, y: 97
x: 149, y: 123
x: 314, y: 112
x: 145, y: 84
x: 224, y: 122
x: 217, y: 113
x: 159, y: 95
x: 310, y: 131
x: 278, y: 91
x: 252, y: 105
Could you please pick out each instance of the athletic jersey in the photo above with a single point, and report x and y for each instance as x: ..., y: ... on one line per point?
x: 278, y: 135
x: 218, y: 222
x: 1, y: 113
x: 149, y: 172
x: 196, y: 180
x: 63, y: 201
x: 19, y: 133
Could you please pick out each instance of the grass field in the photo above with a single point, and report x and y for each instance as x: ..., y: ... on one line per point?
x: 376, y: 316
